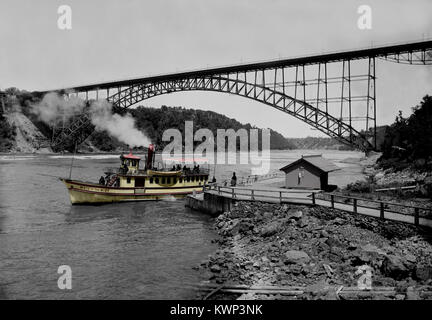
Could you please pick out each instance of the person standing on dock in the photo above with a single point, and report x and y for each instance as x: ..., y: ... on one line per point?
x: 233, y: 180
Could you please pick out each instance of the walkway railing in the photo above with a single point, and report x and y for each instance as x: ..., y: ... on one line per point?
x: 254, y: 194
x: 242, y: 181
x: 382, y: 206
x: 383, y: 209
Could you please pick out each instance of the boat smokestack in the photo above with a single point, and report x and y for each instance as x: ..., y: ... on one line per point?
x: 150, y: 156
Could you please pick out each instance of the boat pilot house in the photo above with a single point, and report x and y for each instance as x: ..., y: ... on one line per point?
x: 309, y: 172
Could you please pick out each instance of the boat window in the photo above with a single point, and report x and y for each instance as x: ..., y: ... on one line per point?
x: 193, y: 179
x: 151, y: 180
x: 163, y: 180
x: 128, y: 180
x: 169, y: 180
x: 188, y: 179
x: 180, y: 180
x: 133, y: 163
x: 175, y: 180
x: 139, y: 182
x: 156, y: 180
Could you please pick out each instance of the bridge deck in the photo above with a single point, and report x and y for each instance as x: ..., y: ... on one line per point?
x: 381, y: 51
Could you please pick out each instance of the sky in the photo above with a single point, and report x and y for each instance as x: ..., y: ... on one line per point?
x: 114, y: 39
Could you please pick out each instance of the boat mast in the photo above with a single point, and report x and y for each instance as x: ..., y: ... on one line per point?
x: 73, y: 156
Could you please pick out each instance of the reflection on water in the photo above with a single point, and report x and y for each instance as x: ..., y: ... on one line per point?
x: 143, y: 250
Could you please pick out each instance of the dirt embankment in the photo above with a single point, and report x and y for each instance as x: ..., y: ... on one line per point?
x: 410, y: 186
x: 318, y: 249
x: 28, y: 138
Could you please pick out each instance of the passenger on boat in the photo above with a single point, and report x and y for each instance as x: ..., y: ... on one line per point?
x: 102, y: 180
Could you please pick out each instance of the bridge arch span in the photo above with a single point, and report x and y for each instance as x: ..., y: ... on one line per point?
x: 299, y: 109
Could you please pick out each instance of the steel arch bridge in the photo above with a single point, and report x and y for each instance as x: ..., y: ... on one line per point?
x: 301, y: 87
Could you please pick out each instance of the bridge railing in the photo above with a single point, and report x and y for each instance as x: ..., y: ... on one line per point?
x: 415, y: 211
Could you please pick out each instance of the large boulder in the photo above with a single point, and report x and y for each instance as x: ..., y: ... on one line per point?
x: 267, y: 215
x: 270, y: 229
x: 215, y: 268
x: 236, y: 226
x: 333, y: 242
x: 295, y: 214
x: 423, y: 273
x: 395, y: 267
x: 296, y: 256
x: 367, y: 254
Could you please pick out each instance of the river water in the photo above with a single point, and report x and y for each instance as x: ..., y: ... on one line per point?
x: 137, y: 250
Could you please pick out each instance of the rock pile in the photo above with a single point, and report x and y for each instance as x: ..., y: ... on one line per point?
x: 318, y: 248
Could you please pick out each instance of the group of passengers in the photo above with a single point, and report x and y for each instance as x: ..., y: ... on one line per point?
x: 109, y: 180
x: 196, y: 168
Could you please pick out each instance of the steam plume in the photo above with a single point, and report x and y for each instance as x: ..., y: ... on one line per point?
x: 121, y: 127
x: 53, y: 109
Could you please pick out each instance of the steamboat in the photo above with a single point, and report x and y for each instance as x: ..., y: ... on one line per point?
x: 129, y: 182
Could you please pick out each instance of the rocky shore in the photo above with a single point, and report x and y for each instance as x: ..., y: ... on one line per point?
x: 320, y: 250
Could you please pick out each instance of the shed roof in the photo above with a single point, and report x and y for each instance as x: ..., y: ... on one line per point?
x: 315, y: 160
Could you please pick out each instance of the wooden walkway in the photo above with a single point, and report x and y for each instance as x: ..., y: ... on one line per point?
x: 416, y: 215
x: 271, y: 195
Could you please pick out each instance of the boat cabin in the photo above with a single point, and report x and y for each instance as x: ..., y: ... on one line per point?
x: 129, y: 175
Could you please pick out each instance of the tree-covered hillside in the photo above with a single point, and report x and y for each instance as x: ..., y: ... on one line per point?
x: 408, y: 141
x: 154, y: 121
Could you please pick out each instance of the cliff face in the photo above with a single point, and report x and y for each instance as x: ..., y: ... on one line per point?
x: 27, y: 138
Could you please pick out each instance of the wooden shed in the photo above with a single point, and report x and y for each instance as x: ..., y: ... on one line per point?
x: 308, y: 172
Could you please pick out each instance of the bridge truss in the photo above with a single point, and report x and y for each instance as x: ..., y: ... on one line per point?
x: 334, y: 93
